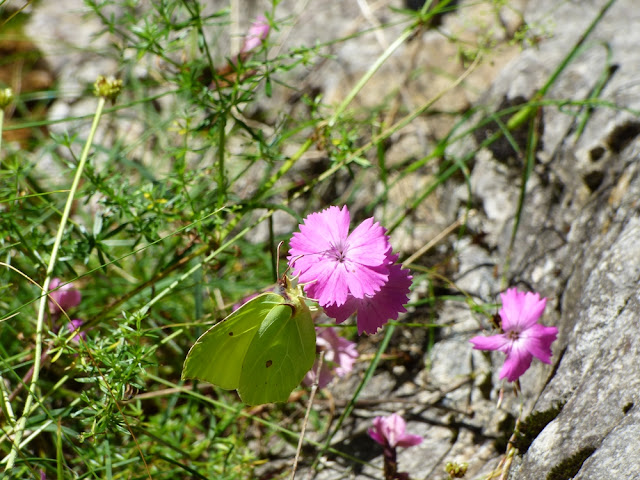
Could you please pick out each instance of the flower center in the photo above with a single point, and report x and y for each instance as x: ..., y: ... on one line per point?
x: 513, y: 335
x: 338, y: 252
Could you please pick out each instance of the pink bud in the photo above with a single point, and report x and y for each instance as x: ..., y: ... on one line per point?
x: 390, y: 431
x: 74, y: 326
x: 64, y: 298
x: 257, y: 34
x: 339, y: 356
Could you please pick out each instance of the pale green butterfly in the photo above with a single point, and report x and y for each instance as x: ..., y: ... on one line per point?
x: 263, y: 349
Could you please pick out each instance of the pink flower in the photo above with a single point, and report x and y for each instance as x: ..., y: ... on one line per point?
x: 377, y: 309
x: 335, y: 264
x: 244, y: 300
x: 390, y: 431
x: 257, y: 34
x: 523, y: 337
x: 73, y: 326
x: 66, y: 297
x: 339, y: 356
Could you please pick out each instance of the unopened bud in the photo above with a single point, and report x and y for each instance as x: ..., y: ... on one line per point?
x: 456, y: 470
x: 6, y: 97
x: 257, y: 34
x: 107, y: 88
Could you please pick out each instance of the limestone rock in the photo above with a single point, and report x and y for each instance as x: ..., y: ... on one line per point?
x: 579, y: 242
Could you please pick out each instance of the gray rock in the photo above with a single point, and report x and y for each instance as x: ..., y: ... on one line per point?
x: 579, y: 244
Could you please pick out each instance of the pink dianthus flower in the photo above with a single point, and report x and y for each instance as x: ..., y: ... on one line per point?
x: 257, y: 34
x: 236, y: 306
x: 391, y: 431
x: 74, y: 326
x: 377, y: 309
x: 333, y: 263
x: 523, y: 337
x: 340, y: 355
x: 65, y: 297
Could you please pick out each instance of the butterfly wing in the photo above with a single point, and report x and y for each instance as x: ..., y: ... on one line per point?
x: 218, y: 355
x: 281, y: 353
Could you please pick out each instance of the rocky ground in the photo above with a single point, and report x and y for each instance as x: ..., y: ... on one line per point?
x: 578, y: 243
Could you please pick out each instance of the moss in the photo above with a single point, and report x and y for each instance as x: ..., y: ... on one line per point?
x: 569, y: 467
x: 531, y: 427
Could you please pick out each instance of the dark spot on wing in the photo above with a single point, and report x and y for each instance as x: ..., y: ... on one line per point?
x: 231, y: 334
x: 269, y: 363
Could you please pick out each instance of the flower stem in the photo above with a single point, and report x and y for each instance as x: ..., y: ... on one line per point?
x: 222, y: 179
x: 1, y: 125
x: 45, y: 286
x: 6, y: 97
x: 390, y: 463
x: 6, y: 403
x: 312, y: 395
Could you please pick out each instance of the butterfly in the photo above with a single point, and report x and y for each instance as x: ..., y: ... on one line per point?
x: 263, y: 349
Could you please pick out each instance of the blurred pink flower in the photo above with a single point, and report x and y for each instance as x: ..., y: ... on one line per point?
x: 377, y: 309
x: 244, y: 300
x: 335, y: 264
x: 522, y: 338
x: 66, y: 297
x: 257, y: 34
x: 339, y: 356
x: 391, y: 431
x: 73, y: 326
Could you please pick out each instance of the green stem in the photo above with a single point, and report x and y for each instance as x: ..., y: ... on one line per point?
x: 530, y: 160
x: 372, y: 70
x: 1, y: 125
x: 339, y: 110
x: 204, y: 261
x: 388, y: 133
x: 6, y: 404
x: 222, y: 179
x: 207, y: 399
x: 352, y: 402
x: 45, y: 286
x: 605, y: 76
x: 523, y: 115
x: 290, y: 162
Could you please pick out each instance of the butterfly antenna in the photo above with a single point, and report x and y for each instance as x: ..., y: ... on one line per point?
x: 293, y: 260
x: 278, y: 260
